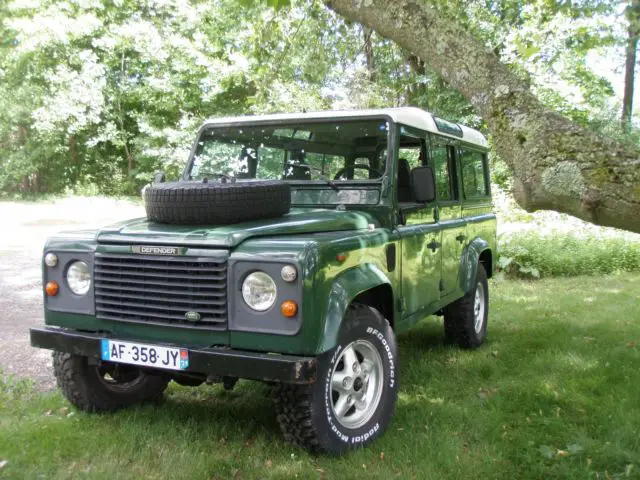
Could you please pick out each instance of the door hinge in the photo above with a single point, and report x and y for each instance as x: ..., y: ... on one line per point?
x: 391, y: 257
x: 441, y: 286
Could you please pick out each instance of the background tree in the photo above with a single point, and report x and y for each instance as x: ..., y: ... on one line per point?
x: 633, y: 30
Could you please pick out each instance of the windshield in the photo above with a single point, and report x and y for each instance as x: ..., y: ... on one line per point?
x: 330, y: 152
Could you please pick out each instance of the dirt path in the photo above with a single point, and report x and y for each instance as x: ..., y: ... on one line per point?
x: 25, y: 227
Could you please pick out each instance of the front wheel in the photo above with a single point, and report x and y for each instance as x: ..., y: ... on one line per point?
x: 104, y: 387
x: 353, y: 400
x: 465, y: 320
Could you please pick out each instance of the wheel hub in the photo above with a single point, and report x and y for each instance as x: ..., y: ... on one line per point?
x: 478, y: 308
x: 356, y: 384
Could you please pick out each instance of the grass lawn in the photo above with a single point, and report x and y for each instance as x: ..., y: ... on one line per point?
x: 555, y: 393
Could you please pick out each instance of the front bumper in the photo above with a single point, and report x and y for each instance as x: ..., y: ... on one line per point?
x: 214, y: 360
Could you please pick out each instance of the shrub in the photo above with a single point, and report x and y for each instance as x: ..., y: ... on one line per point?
x: 560, y: 254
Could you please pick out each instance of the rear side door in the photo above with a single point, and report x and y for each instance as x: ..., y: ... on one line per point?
x: 449, y: 212
x: 476, y: 193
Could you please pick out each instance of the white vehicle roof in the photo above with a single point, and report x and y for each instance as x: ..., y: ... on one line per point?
x: 410, y: 116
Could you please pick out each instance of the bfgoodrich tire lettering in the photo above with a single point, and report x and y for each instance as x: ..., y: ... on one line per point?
x: 306, y: 414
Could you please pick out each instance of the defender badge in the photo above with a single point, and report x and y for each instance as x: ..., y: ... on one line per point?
x: 192, y: 316
x: 155, y: 250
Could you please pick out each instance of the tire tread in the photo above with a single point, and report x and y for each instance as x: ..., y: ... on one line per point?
x: 294, y: 403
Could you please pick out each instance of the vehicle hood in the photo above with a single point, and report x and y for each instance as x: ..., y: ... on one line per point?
x: 298, y: 221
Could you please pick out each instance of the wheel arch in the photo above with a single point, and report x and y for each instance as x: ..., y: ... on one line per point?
x: 366, y: 284
x: 478, y: 251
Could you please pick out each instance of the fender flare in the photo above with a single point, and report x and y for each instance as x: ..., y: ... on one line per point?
x: 347, y: 286
x: 469, y: 262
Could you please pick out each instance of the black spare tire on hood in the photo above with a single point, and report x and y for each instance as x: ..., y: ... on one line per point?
x: 200, y: 203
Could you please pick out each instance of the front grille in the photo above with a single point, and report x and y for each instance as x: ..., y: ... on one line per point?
x: 161, y: 290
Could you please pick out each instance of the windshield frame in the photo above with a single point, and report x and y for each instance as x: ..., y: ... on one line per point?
x: 288, y: 122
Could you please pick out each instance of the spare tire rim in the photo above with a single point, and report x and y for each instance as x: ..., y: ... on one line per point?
x: 356, y: 384
x: 117, y: 377
x: 478, y: 308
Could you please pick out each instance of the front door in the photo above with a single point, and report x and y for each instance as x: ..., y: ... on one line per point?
x: 418, y: 230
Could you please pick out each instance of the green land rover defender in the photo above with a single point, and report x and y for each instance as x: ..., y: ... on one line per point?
x: 292, y: 250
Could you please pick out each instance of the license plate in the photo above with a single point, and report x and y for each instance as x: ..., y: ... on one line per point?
x: 144, y: 355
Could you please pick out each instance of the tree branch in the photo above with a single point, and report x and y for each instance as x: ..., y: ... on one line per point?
x: 557, y: 165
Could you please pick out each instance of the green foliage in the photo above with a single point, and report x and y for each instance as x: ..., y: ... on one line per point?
x: 105, y: 94
x: 563, y: 255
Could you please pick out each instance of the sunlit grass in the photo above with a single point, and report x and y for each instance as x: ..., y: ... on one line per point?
x: 555, y: 393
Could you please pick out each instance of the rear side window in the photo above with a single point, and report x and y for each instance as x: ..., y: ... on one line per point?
x: 474, y: 178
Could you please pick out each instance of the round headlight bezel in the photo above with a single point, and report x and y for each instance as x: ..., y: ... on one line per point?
x: 76, y: 268
x: 257, y: 277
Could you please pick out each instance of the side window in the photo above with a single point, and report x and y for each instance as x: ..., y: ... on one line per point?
x: 444, y: 177
x: 473, y: 167
x: 411, y: 155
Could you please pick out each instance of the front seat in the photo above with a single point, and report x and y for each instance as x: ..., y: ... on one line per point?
x: 405, y: 194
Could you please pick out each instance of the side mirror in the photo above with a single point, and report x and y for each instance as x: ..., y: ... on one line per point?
x: 423, y: 184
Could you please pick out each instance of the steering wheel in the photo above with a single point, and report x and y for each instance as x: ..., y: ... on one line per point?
x: 361, y: 166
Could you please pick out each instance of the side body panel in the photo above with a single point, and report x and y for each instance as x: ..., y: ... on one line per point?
x: 453, y: 228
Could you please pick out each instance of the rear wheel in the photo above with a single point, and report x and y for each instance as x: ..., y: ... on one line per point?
x: 465, y: 320
x: 353, y: 400
x: 104, y: 387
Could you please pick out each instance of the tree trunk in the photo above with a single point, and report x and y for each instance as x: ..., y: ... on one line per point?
x: 417, y: 94
x: 37, y: 182
x: 557, y: 165
x: 368, y: 51
x: 632, y: 13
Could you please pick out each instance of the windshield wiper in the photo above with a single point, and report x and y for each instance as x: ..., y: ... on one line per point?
x: 318, y: 170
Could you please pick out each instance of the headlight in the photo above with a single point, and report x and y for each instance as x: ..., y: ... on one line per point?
x: 79, y: 278
x: 259, y: 291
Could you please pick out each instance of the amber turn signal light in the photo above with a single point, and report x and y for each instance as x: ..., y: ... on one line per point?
x: 51, y: 288
x: 289, y: 308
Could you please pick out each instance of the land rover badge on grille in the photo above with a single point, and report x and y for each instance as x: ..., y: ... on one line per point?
x: 192, y: 316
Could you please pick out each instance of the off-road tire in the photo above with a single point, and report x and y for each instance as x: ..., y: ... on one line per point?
x: 305, y: 417
x: 216, y: 203
x: 81, y: 385
x: 459, y: 317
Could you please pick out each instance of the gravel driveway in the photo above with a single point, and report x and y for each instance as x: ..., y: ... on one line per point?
x: 27, y: 225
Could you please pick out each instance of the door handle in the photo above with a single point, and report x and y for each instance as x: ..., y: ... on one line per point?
x: 433, y: 246
x: 461, y: 238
